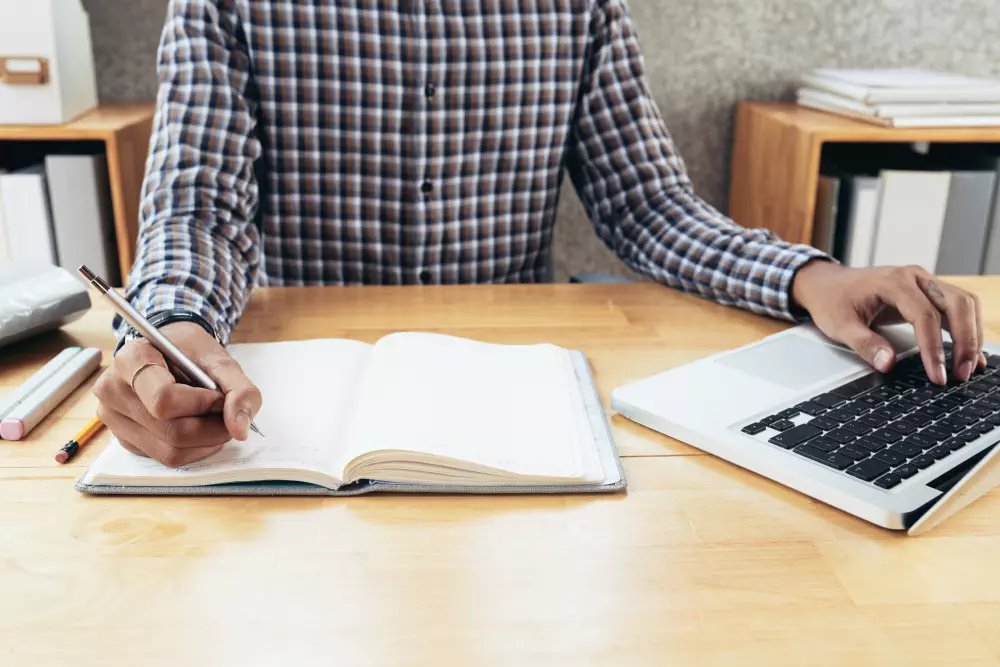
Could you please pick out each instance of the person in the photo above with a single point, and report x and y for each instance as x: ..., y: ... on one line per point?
x: 424, y: 141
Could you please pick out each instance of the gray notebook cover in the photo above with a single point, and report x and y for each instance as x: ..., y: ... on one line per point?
x: 595, y: 414
x: 966, y: 223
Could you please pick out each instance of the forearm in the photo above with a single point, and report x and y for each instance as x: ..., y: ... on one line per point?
x: 676, y: 238
x: 198, y: 245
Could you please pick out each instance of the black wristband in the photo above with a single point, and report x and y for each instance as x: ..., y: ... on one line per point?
x: 167, y: 317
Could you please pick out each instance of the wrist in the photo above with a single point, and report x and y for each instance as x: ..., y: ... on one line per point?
x: 812, y: 282
x: 167, y: 317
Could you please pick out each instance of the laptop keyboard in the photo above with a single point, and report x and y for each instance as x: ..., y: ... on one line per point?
x: 883, y: 429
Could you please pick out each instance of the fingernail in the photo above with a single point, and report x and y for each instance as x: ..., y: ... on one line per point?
x: 882, y: 359
x: 942, y: 374
x: 242, y: 425
x: 965, y: 370
x: 982, y: 360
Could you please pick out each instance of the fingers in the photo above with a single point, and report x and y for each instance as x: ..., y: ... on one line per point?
x: 963, y: 318
x: 157, y: 389
x: 243, y: 399
x: 130, y: 433
x: 170, y: 422
x: 868, y: 345
x: 903, y: 292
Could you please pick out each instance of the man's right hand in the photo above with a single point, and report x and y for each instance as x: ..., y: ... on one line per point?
x: 153, y: 415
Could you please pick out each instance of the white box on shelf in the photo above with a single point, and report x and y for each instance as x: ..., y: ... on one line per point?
x: 46, y: 62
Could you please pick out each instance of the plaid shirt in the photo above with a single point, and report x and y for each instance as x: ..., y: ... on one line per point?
x: 417, y: 141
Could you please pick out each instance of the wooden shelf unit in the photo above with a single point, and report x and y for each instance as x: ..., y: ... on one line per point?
x: 776, y: 160
x: 124, y: 130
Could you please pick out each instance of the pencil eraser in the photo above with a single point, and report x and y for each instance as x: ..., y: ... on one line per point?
x: 11, y: 429
x: 62, y: 456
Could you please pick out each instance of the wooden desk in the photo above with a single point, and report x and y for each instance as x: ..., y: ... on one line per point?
x: 700, y: 563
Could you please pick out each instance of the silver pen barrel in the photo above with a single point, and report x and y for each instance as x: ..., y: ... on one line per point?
x: 173, y: 354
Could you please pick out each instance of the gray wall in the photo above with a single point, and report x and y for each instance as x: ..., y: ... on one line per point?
x: 702, y: 56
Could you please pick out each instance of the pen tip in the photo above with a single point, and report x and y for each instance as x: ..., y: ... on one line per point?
x: 253, y: 427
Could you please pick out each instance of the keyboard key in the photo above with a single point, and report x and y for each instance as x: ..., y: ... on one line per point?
x: 992, y: 361
x: 962, y: 396
x: 884, y: 393
x: 992, y: 402
x: 870, y: 421
x: 834, y: 460
x: 767, y: 421
x: 948, y: 402
x: 891, y: 458
x: 907, y: 471
x: 853, y: 453
x: 905, y: 404
x: 927, y: 392
x: 952, y: 424
x: 967, y: 436
x: 902, y: 427
x: 939, y: 452
x: 788, y: 414
x: 842, y: 436
x: 921, y: 441
x: 753, y: 429
x: 856, y: 428
x: 856, y: 409
x: 917, y: 419
x: 824, y: 444
x: 868, y: 470
x: 982, y: 428
x: 888, y: 412
x: 782, y: 425
x: 936, y: 433
x: 828, y: 400
x: 839, y: 415
x: 869, y: 444
x: 862, y: 384
x: 994, y: 420
x: 933, y: 411
x: 886, y: 436
x: 907, y: 450
x: 869, y: 400
x: 922, y: 462
x: 824, y: 423
x: 888, y: 481
x: 795, y: 436
x: 954, y: 444
x: 977, y: 411
x: 810, y: 408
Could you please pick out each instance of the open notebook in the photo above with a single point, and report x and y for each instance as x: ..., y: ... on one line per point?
x: 415, y: 412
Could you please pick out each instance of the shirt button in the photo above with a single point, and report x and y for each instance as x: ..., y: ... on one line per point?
x: 430, y: 90
x: 427, y: 187
x: 425, y: 277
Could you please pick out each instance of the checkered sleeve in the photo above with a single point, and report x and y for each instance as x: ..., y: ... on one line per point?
x: 636, y: 190
x: 198, y: 246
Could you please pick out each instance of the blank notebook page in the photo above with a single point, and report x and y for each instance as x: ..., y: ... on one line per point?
x: 505, y: 407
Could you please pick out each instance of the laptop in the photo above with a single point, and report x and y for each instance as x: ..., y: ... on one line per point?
x: 806, y: 412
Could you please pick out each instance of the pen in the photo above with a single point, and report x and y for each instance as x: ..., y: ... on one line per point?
x: 193, y: 374
x: 69, y: 450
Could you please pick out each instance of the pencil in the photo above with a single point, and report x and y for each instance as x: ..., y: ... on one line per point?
x: 66, y: 454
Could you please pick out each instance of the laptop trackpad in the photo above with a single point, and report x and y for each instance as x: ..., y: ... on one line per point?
x: 792, y: 361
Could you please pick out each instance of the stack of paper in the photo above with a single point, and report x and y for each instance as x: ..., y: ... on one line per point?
x: 903, y: 97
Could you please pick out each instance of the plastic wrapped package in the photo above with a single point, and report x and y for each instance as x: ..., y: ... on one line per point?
x: 36, y: 298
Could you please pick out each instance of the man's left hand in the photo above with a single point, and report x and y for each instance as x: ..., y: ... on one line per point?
x: 845, y: 303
